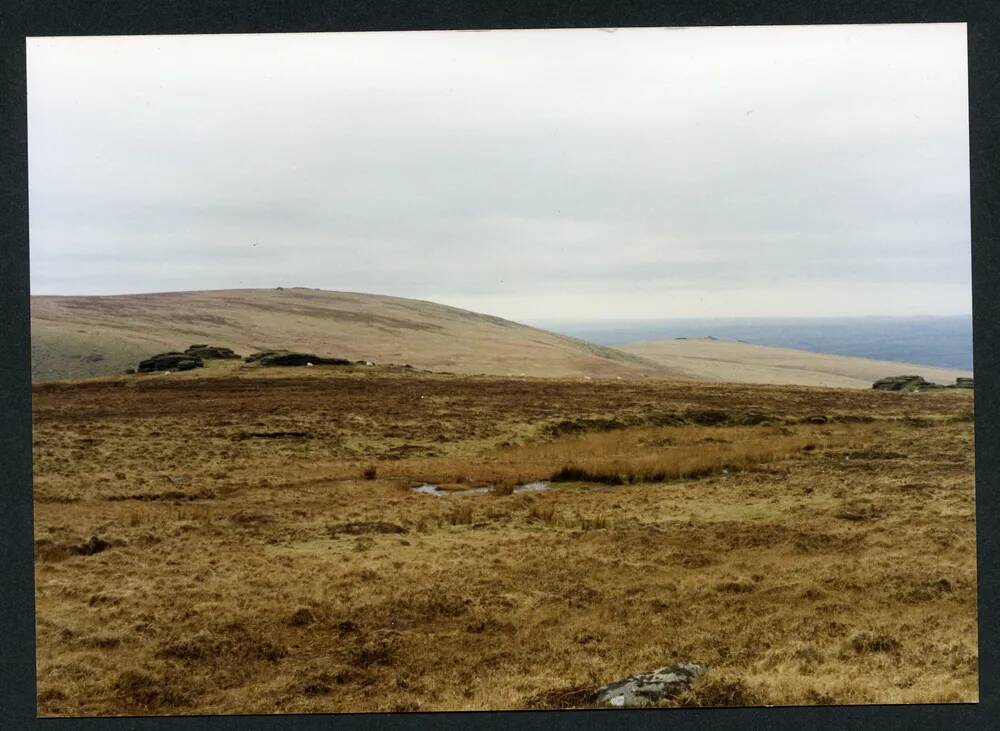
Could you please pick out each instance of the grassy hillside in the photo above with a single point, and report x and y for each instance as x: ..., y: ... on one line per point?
x: 75, y: 337
x: 735, y: 362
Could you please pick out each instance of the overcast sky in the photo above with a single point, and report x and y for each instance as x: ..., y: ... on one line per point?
x: 528, y: 174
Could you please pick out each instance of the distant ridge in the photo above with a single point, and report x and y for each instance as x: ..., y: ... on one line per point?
x: 77, y: 337
x: 712, y: 359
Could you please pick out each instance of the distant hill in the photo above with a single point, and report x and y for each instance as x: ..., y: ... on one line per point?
x: 77, y: 337
x: 708, y: 359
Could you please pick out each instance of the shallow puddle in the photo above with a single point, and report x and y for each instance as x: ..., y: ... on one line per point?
x: 429, y: 489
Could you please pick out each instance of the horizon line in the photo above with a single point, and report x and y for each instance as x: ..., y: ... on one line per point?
x: 539, y: 319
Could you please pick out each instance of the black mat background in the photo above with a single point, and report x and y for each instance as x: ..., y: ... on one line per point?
x: 94, y: 17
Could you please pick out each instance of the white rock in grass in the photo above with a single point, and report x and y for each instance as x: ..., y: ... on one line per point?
x: 647, y: 689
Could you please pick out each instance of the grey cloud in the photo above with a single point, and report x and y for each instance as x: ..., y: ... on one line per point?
x: 481, y: 165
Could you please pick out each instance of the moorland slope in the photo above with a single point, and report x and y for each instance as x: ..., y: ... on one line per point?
x: 78, y: 337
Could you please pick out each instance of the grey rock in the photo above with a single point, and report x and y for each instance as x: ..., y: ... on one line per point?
x: 211, y: 352
x: 963, y: 383
x: 92, y: 546
x: 647, y: 689
x: 170, y: 362
x: 903, y: 383
x: 291, y: 358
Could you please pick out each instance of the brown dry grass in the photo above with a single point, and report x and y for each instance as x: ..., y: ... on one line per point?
x: 833, y: 563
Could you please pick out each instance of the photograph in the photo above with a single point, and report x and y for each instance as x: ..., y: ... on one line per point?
x: 535, y: 369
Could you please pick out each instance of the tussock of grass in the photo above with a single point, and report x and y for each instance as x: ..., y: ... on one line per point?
x: 867, y: 642
x: 715, y: 691
x: 622, y: 456
x: 631, y: 456
x: 460, y: 514
x: 599, y: 522
x: 545, y: 514
x: 229, y: 642
x: 149, y: 692
x: 735, y: 587
x: 859, y: 511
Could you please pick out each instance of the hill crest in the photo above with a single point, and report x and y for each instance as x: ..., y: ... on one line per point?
x: 81, y: 336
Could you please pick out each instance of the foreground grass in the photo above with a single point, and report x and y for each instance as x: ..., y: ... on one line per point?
x: 802, y: 562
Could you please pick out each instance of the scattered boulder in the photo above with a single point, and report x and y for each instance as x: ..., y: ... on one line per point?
x: 903, y: 383
x: 647, y: 689
x: 291, y: 358
x: 170, y: 362
x: 211, y: 352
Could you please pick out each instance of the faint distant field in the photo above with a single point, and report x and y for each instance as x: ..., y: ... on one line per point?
x: 722, y: 360
x: 235, y: 541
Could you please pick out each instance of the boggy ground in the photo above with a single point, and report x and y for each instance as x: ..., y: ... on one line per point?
x: 209, y: 543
